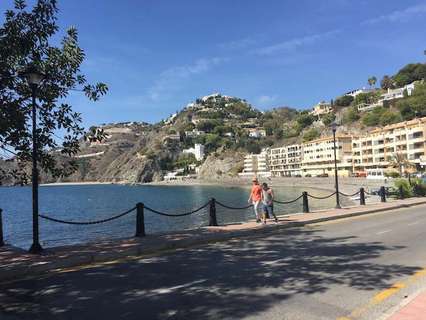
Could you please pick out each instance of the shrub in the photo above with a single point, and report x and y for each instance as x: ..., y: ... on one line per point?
x: 351, y: 115
x: 392, y: 174
x: 389, y: 117
x: 419, y: 187
x: 311, y: 134
x: 328, y: 119
x: 344, y: 101
x: 406, y: 188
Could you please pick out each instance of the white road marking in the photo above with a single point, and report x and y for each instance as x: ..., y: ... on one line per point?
x: 384, y: 231
x: 413, y: 223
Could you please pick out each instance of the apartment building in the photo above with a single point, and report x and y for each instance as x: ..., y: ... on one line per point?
x: 377, y: 150
x: 372, y: 154
x: 286, y: 161
x: 318, y: 156
x: 256, y: 165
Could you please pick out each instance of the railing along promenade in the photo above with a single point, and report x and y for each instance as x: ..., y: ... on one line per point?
x: 212, y: 204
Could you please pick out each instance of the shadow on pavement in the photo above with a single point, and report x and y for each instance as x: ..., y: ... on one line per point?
x: 234, y: 279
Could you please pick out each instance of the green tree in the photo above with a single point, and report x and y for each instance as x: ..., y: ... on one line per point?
x: 373, y: 117
x: 367, y: 98
x: 390, y: 117
x: 304, y: 119
x: 413, y: 105
x: 26, y: 37
x: 328, y: 119
x: 410, y: 73
x: 311, y: 134
x: 344, y: 101
x: 209, y: 125
x: 212, y: 142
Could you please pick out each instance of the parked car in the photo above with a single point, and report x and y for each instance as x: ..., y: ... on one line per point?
x: 322, y: 175
x: 308, y: 175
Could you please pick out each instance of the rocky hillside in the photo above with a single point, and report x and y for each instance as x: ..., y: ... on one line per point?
x: 228, y: 128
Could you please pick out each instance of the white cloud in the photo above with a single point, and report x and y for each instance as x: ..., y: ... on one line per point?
x: 171, y: 79
x: 398, y: 15
x: 266, y: 100
x: 295, y: 43
x: 239, y: 44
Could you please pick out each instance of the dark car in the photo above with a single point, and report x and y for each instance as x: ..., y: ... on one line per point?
x: 322, y: 175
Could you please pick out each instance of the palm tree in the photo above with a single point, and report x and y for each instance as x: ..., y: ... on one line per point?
x: 400, y: 162
x: 372, y: 81
x: 387, y: 83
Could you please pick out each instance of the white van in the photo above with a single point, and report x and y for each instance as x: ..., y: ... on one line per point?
x: 375, y: 174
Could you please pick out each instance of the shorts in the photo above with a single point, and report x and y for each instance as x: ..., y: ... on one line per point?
x: 268, y: 209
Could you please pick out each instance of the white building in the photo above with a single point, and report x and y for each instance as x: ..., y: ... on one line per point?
x: 321, y: 109
x: 318, y: 156
x: 286, y: 161
x: 356, y: 92
x: 398, y: 93
x: 256, y: 133
x: 197, y: 151
x: 194, y: 133
x: 256, y: 165
x: 367, y: 107
x: 377, y: 149
x: 171, y: 119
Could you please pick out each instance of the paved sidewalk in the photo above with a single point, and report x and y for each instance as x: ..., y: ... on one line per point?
x: 414, y: 310
x: 17, y: 263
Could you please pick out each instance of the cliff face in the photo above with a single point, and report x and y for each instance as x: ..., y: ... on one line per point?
x: 222, y: 165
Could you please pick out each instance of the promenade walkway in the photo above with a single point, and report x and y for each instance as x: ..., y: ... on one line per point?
x: 17, y: 263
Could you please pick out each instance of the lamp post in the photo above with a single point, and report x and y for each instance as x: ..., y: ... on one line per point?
x: 336, y: 178
x: 34, y: 77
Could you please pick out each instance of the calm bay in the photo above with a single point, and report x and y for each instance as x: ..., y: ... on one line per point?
x: 94, y: 202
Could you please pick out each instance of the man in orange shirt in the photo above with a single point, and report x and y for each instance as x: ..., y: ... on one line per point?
x: 255, y: 197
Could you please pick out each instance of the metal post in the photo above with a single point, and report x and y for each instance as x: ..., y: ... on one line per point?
x: 382, y: 194
x: 140, y: 220
x: 401, y: 192
x: 35, y: 247
x: 336, y: 179
x: 362, y: 197
x: 212, y: 213
x: 305, y: 202
x: 1, y: 229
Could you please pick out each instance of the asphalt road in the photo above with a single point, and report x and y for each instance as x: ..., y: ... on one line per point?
x: 358, y: 268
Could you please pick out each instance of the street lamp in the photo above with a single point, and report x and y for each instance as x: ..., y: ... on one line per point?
x: 34, y: 77
x: 336, y: 178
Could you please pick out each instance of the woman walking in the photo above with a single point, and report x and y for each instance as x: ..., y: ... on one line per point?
x: 255, y: 197
x: 268, y: 202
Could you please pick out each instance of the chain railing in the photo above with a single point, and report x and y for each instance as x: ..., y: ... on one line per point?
x: 211, y: 204
x: 87, y: 222
x: 1, y: 228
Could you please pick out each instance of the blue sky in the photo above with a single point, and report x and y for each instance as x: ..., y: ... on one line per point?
x: 158, y: 55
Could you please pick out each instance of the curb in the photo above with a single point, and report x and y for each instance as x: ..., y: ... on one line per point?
x: 88, y: 258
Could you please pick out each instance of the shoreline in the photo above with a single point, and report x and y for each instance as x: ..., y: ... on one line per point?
x: 326, y: 184
x: 54, y: 184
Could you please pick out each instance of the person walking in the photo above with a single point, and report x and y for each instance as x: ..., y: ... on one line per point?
x: 255, y: 197
x: 268, y: 202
